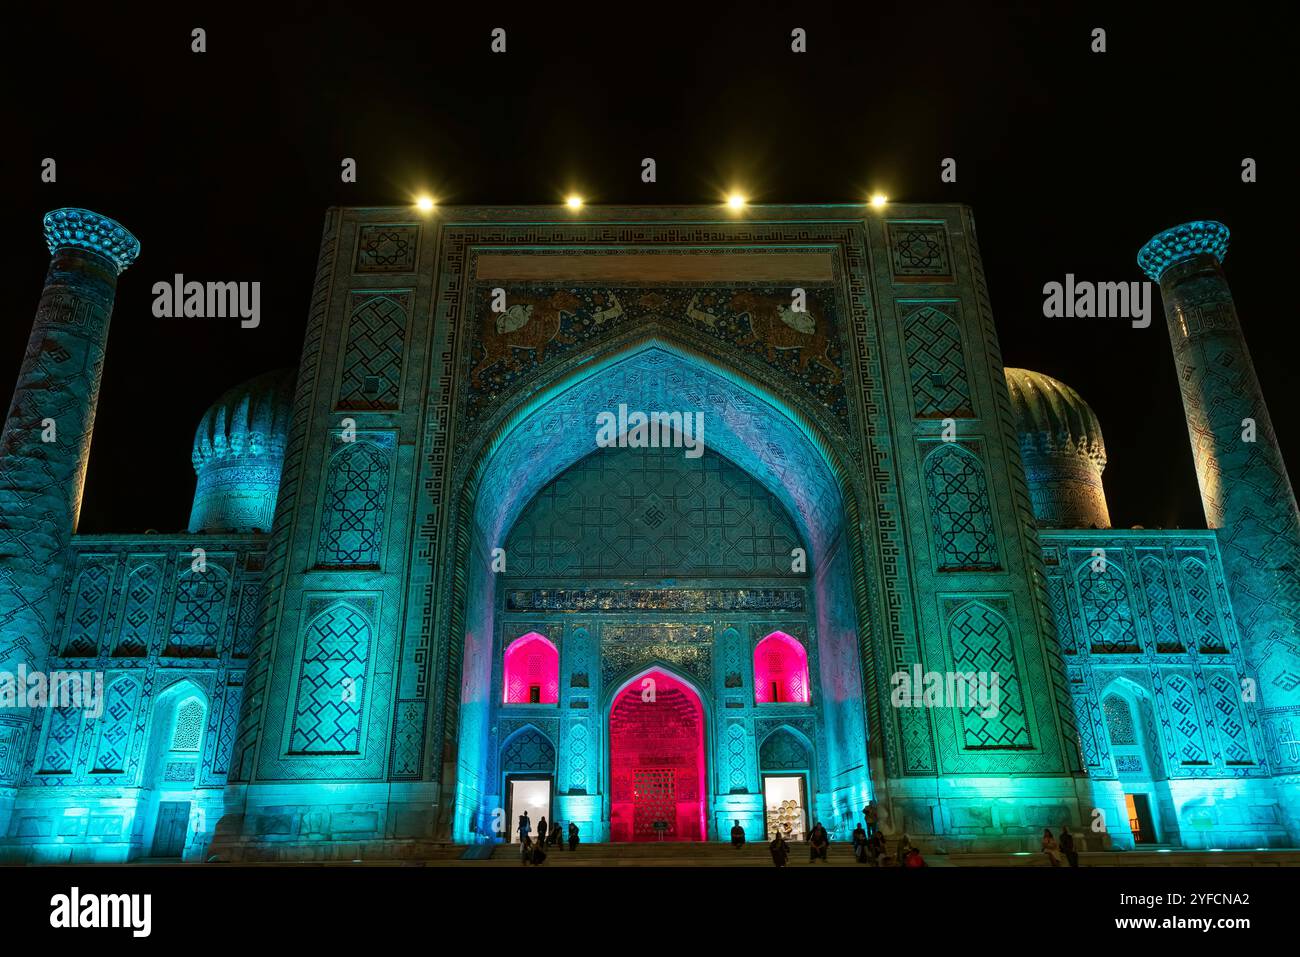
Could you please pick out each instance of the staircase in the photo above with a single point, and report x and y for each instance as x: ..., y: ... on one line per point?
x: 673, y: 854
x: 715, y: 854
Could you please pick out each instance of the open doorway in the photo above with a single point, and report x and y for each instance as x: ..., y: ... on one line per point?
x: 785, y: 806
x: 1139, y: 818
x: 527, y: 795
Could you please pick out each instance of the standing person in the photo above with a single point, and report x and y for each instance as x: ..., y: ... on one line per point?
x: 872, y: 816
x: 819, y: 843
x: 1050, y: 848
x: 573, y: 836
x: 543, y: 832
x: 780, y: 850
x: 737, y: 835
x: 525, y: 827
x: 1067, y: 846
x: 859, y: 843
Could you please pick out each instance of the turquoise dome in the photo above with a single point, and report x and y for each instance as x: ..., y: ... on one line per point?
x: 238, y: 452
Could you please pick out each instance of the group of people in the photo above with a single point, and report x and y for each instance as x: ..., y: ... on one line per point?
x: 868, y: 844
x: 1054, y: 847
x: 533, y: 850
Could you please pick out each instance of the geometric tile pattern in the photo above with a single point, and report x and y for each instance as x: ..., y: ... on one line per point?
x: 89, y: 608
x: 1106, y: 610
x: 652, y: 513
x: 959, y: 509
x: 1225, y: 699
x: 372, y: 361
x: 61, y: 740
x: 115, y: 726
x: 782, y: 751
x: 188, y: 730
x: 737, y: 752
x: 1204, y: 728
x: 981, y: 642
x: 387, y: 249
x: 935, y: 362
x: 1119, y: 720
x: 1200, y: 606
x: 528, y: 751
x: 1160, y: 607
x: 198, y: 616
x: 356, y: 494
x: 918, y: 250
x: 143, y: 586
x: 330, y: 703
x: 1184, y: 721
x: 577, y: 754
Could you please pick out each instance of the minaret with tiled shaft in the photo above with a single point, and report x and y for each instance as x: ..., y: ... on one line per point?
x: 1245, y: 489
x: 46, y: 441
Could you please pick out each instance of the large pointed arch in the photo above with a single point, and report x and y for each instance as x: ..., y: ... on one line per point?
x: 538, y: 433
x: 656, y: 760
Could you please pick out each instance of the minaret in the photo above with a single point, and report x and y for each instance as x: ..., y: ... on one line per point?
x: 46, y: 439
x: 1244, y: 484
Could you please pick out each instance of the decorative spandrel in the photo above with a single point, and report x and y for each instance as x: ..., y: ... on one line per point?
x: 537, y: 323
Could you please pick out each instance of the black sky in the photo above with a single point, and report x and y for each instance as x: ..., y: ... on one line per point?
x: 224, y: 163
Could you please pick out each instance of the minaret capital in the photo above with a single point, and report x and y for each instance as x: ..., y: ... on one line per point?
x: 82, y: 229
x: 1203, y: 236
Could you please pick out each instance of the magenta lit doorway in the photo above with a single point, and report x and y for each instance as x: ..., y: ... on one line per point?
x: 656, y: 761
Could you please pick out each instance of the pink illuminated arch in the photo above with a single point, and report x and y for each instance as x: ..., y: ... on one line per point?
x: 658, y: 781
x: 532, y: 671
x: 780, y: 670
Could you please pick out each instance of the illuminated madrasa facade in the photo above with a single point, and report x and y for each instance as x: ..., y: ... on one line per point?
x: 423, y: 589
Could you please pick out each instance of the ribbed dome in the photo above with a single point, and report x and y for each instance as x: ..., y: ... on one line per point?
x: 252, y: 419
x: 1054, y: 416
x: 238, y: 454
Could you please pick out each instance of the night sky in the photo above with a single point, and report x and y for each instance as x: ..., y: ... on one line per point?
x: 223, y: 164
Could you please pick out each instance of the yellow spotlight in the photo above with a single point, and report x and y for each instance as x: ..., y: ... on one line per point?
x: 573, y: 202
x: 879, y: 199
x: 424, y: 204
x: 736, y: 201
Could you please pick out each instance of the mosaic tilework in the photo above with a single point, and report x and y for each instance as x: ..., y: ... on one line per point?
x: 981, y: 641
x: 960, y: 513
x: 652, y: 513
x: 387, y: 249
x: 542, y: 322
x: 331, y: 699
x: 89, y: 608
x: 143, y: 589
x: 372, y: 358
x: 783, y: 751
x: 120, y: 701
x: 935, y: 361
x: 356, y: 499
x: 1199, y: 726
x: 918, y: 251
x: 528, y: 751
x: 199, y: 611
